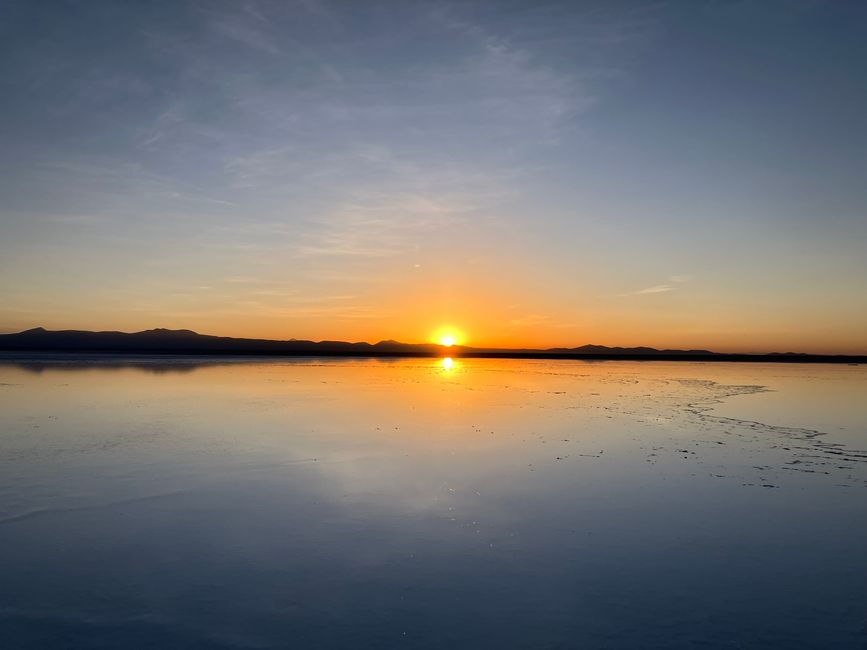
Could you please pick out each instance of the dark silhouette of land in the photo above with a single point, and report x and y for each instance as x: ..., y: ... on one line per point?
x: 186, y: 342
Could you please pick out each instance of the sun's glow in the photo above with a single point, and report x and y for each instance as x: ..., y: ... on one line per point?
x: 447, y: 337
x: 448, y: 363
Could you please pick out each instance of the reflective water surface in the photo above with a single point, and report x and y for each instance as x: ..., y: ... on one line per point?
x: 186, y: 503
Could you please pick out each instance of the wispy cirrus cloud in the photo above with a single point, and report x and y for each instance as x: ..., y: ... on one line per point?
x: 381, y: 226
x: 673, y: 284
x: 658, y: 288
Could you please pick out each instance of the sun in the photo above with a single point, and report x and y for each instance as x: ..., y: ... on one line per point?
x: 447, y: 337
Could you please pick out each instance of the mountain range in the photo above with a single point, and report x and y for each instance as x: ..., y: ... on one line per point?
x: 166, y: 341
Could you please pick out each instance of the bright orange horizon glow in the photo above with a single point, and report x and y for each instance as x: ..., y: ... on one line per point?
x: 480, y: 313
x: 494, y: 325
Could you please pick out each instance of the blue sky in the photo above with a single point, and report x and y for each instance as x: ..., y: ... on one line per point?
x: 661, y: 173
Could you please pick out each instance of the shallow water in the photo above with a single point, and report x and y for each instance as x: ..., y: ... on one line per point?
x: 187, y: 503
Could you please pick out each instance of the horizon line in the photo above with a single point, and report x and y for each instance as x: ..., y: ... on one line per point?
x: 586, y: 349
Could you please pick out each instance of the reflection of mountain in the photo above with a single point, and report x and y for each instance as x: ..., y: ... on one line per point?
x: 164, y: 341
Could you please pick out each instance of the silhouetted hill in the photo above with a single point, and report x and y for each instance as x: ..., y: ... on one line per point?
x: 602, y: 349
x: 165, y: 341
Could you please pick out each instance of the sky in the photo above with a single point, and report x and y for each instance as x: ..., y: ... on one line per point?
x: 674, y: 174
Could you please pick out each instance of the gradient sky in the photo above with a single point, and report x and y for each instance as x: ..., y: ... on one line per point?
x: 687, y: 174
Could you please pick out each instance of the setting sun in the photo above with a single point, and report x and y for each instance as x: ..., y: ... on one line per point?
x: 447, y: 337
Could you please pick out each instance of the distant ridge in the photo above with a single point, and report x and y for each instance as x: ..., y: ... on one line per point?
x: 188, y: 342
x: 183, y: 341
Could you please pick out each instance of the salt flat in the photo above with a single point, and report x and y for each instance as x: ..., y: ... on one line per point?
x: 176, y: 502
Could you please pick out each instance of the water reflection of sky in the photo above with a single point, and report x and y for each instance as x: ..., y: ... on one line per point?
x: 416, y: 503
